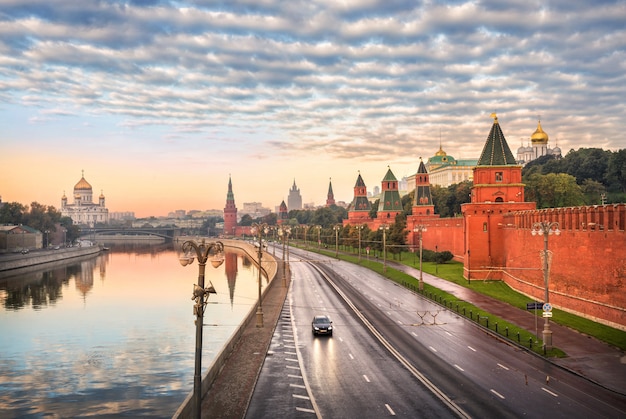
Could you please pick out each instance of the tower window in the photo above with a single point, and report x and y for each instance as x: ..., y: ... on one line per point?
x: 498, y: 176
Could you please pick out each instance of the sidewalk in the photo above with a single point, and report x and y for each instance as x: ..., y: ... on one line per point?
x: 233, y: 388
x: 587, y: 356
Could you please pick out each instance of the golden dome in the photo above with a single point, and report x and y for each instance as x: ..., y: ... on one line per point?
x: 82, y: 185
x: 441, y: 152
x: 539, y: 136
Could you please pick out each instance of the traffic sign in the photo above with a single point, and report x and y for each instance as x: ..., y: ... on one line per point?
x: 547, y: 307
x: 547, y: 314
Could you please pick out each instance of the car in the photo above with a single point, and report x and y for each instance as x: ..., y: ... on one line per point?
x: 322, y: 325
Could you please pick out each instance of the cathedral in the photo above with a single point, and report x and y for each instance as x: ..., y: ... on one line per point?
x: 539, y: 147
x: 83, y: 211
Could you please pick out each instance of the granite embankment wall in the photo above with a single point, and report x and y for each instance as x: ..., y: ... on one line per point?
x: 269, y: 267
x: 13, y: 261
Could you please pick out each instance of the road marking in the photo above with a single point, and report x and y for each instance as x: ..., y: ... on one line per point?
x: 497, y: 394
x: 448, y: 333
x: 390, y: 410
x: 400, y: 321
x: 472, y: 348
x: 290, y: 353
x: 503, y: 367
x: 297, y: 385
x: 297, y: 396
x: 302, y: 409
x: 366, y: 379
x: 294, y: 376
x: 291, y: 360
x: 459, y: 368
x: 549, y: 392
x: 350, y: 355
x: 293, y: 368
x: 414, y: 334
x: 432, y: 349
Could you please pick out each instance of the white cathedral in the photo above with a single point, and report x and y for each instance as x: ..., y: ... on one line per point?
x: 84, y: 211
x: 537, y: 148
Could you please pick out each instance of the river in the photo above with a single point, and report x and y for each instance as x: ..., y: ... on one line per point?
x: 113, y: 335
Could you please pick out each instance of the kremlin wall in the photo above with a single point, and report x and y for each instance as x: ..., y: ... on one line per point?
x: 493, y: 236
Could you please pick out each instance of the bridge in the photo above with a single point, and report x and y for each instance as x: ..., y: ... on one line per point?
x: 168, y: 233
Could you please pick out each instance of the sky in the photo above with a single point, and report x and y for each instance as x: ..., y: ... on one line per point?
x: 160, y: 102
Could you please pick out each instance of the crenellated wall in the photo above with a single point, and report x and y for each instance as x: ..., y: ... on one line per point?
x: 588, y: 262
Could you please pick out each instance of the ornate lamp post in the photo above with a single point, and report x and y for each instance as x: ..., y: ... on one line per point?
x: 337, y: 228
x: 259, y: 229
x: 64, y: 240
x: 419, y: 229
x: 200, y: 296
x: 545, y: 229
x: 360, y: 228
x: 283, y: 232
x: 384, y: 228
x: 319, y: 242
x: 47, y: 232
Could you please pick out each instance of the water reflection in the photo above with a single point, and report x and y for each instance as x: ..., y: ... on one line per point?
x: 114, y: 334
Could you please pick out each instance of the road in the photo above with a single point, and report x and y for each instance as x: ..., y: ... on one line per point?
x: 431, y: 362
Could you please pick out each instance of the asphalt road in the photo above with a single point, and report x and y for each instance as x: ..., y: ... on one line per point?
x: 448, y: 366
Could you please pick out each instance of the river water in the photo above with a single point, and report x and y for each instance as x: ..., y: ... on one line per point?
x: 113, y: 335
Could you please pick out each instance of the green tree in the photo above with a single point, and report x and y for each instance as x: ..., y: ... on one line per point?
x: 13, y: 213
x: 593, y: 192
x: 616, y: 171
x: 553, y: 190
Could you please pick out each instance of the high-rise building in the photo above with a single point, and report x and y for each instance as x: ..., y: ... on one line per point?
x: 294, y: 200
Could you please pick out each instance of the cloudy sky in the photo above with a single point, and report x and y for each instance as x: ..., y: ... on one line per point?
x: 160, y: 101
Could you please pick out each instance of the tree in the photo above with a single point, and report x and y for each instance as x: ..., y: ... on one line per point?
x: 554, y: 190
x: 593, y: 191
x: 13, y: 213
x: 616, y: 171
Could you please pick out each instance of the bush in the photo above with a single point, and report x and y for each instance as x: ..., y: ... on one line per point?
x: 438, y: 257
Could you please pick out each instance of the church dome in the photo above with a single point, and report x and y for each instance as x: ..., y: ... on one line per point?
x: 82, y: 185
x: 539, y: 136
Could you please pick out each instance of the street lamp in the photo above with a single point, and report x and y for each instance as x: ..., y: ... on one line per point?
x: 545, y: 229
x: 46, y: 245
x: 319, y: 241
x: 200, y: 296
x: 64, y: 231
x: 337, y: 228
x: 259, y: 229
x: 384, y: 228
x: 360, y: 228
x: 283, y: 232
x: 419, y: 229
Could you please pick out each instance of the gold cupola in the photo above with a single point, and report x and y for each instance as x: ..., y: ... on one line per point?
x: 539, y: 136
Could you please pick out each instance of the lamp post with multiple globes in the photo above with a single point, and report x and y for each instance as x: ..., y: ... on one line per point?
x: 419, y: 229
x: 259, y: 229
x: 545, y: 229
x: 360, y: 228
x: 283, y: 233
x: 337, y: 228
x: 384, y: 229
x: 191, y: 250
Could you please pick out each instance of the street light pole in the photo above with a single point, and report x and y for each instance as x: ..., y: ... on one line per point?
x: 384, y: 228
x: 200, y: 296
x: 419, y: 229
x: 319, y: 241
x: 259, y: 229
x: 545, y: 229
x: 336, y: 228
x: 360, y: 228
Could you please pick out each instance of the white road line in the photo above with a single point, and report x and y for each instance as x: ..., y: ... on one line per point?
x: 297, y: 396
x: 390, y: 410
x: 351, y: 357
x: 297, y: 385
x: 414, y: 334
x: 497, y: 394
x: 432, y: 349
x: 302, y: 409
x: 503, y: 367
x: 459, y: 368
x: 290, y: 353
x: 293, y: 368
x: 549, y: 392
x: 400, y: 321
x: 291, y: 360
x: 294, y: 376
x: 448, y: 333
x: 366, y: 379
x: 472, y: 348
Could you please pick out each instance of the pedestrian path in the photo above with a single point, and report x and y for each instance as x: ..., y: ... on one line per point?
x: 587, y: 356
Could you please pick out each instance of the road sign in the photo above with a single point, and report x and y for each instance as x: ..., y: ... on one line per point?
x: 534, y: 306
x: 547, y: 307
x: 547, y: 314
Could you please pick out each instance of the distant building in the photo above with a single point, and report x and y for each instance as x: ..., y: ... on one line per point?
x: 83, y: 211
x: 230, y: 211
x: 444, y: 170
x: 294, y: 200
x: 255, y: 209
x: 330, y: 197
x: 537, y: 148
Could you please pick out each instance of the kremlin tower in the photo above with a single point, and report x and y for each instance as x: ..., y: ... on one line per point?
x: 230, y: 211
